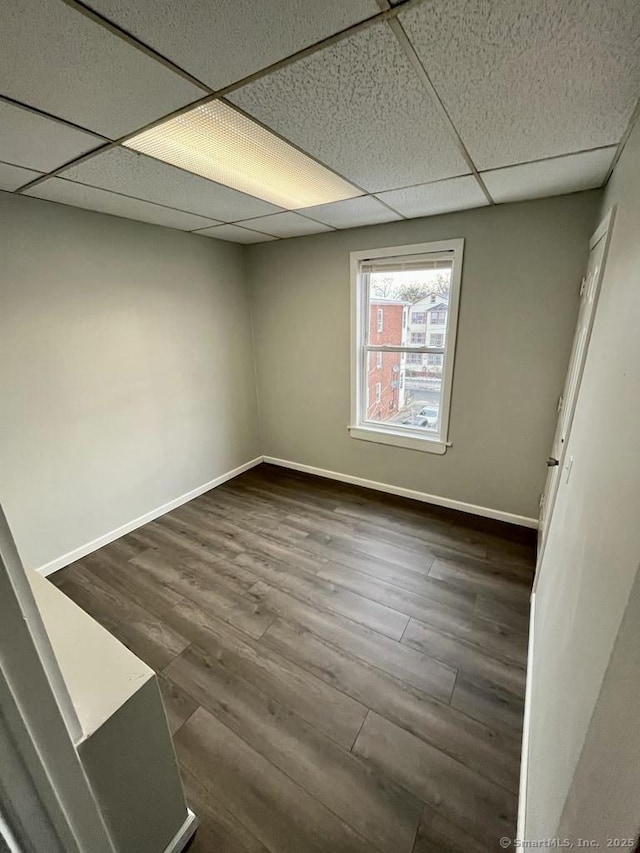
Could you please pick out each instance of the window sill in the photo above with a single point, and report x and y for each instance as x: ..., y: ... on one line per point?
x: 398, y: 439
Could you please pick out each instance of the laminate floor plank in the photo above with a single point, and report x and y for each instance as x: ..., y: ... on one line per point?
x: 332, y: 712
x: 482, y: 582
x: 409, y: 579
x: 370, y: 803
x: 479, y: 747
x: 209, y: 591
x: 152, y: 640
x: 484, y: 810
x: 439, y: 598
x: 464, y: 657
x: 316, y: 591
x: 219, y: 831
x: 342, y: 670
x: 488, y: 703
x: 403, y: 662
x: 178, y: 705
x: 436, y: 834
x: 274, y: 808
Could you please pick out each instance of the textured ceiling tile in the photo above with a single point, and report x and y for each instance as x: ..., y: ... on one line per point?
x: 36, y: 142
x: 522, y: 80
x: 568, y: 174
x: 226, y: 41
x: 235, y: 234
x: 440, y: 197
x: 359, y: 107
x: 90, y: 198
x: 125, y: 171
x: 54, y: 58
x: 12, y: 177
x: 352, y: 213
x: 286, y: 224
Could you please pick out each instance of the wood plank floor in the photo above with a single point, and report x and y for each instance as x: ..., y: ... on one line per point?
x: 342, y: 670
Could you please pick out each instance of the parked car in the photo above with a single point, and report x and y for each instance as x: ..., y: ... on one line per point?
x: 428, y: 416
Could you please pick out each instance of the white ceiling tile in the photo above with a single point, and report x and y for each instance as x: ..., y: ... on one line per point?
x: 128, y: 172
x: 36, y: 142
x: 439, y: 197
x: 568, y: 174
x: 56, y: 59
x: 524, y: 81
x: 352, y: 213
x: 360, y: 108
x: 12, y: 177
x: 226, y: 41
x: 235, y: 234
x: 286, y: 224
x: 90, y: 198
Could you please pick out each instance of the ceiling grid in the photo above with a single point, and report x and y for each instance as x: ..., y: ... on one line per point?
x: 432, y: 163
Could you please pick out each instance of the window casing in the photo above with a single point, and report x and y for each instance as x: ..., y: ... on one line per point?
x: 410, y: 407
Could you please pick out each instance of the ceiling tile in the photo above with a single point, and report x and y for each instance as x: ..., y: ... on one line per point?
x: 226, y: 41
x: 286, y: 224
x: 56, y: 59
x: 352, y: 213
x: 439, y: 197
x: 524, y: 81
x: 568, y: 174
x: 90, y: 198
x: 36, y: 142
x: 235, y: 234
x: 12, y: 177
x: 360, y: 108
x: 128, y: 172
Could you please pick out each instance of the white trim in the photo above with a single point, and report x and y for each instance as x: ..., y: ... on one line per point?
x: 473, y: 509
x: 105, y: 539
x: 398, y: 439
x: 184, y: 834
x: 454, y: 250
x: 524, y: 759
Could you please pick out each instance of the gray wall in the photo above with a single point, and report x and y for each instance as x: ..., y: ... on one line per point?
x: 522, y: 267
x: 126, y: 371
x: 589, y: 567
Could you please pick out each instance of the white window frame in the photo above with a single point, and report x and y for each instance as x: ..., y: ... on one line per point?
x: 380, y: 319
x: 379, y: 360
x: 359, y: 428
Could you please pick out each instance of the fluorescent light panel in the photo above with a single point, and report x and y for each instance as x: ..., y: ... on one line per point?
x: 221, y: 144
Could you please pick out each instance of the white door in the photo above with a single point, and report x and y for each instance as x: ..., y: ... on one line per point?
x: 557, y: 462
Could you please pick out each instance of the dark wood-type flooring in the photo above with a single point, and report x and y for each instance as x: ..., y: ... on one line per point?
x: 343, y: 670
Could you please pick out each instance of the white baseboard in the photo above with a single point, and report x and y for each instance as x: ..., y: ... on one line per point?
x: 89, y: 547
x: 486, y: 512
x: 524, y: 760
x: 183, y: 835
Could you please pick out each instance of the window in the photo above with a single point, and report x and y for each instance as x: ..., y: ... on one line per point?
x: 379, y: 360
x: 418, y: 318
x: 380, y: 319
x: 415, y: 410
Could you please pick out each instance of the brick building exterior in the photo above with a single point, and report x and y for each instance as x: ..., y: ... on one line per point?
x: 385, y: 378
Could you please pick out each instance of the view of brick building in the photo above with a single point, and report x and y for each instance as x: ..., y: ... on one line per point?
x: 385, y: 379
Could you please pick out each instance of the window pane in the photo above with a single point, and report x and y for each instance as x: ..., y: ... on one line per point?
x: 409, y: 307
x: 404, y: 390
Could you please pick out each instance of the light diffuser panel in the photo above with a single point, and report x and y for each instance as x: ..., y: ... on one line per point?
x: 219, y: 143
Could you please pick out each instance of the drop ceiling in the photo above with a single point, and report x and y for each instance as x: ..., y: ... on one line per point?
x: 423, y: 106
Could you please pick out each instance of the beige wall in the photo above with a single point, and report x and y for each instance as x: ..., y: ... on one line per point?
x: 590, y: 563
x: 522, y: 268
x: 126, y: 371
